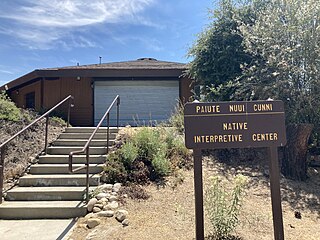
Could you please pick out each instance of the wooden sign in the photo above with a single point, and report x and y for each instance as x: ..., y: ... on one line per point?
x: 234, y: 124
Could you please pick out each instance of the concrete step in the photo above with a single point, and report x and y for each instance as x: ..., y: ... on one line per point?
x: 42, y: 209
x: 82, y: 142
x: 63, y: 168
x: 66, y: 150
x: 112, y: 136
x: 90, y: 130
x: 77, y: 159
x: 46, y: 193
x: 58, y: 180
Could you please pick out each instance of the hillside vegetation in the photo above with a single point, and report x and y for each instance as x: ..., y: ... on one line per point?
x: 23, y: 150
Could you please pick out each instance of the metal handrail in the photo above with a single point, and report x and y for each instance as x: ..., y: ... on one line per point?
x: 86, y: 147
x: 45, y: 115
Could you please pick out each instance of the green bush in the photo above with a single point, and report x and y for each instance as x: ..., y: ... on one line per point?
x: 223, y: 206
x: 129, y: 152
x: 147, y: 141
x: 8, y: 110
x: 148, y: 154
x: 161, y: 164
x: 114, y: 170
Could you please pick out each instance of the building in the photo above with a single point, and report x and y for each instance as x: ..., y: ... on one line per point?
x: 149, y: 90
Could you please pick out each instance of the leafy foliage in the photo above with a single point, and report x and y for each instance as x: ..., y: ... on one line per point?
x: 218, y: 53
x: 148, y: 154
x: 285, y: 37
x: 8, y: 110
x: 223, y: 206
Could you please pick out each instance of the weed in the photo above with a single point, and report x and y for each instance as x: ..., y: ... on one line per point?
x: 177, y: 118
x: 223, y: 206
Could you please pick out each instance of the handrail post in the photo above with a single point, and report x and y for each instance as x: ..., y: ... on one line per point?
x: 2, y: 150
x: 108, y: 131
x: 69, y: 110
x: 70, y: 162
x: 118, y: 106
x: 46, y: 135
x: 87, y: 173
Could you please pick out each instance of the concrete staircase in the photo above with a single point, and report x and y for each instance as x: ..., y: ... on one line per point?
x: 49, y: 191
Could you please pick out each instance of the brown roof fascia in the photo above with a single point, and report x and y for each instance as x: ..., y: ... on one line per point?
x: 111, y: 73
x: 40, y: 73
x: 25, y: 79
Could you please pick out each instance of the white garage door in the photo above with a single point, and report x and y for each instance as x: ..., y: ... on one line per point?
x: 141, y: 101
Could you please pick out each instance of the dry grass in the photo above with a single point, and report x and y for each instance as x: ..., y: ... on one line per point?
x: 169, y: 212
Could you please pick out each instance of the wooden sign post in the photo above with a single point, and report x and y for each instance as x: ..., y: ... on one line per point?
x: 220, y: 125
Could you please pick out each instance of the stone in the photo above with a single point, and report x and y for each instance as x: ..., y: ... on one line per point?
x: 99, y: 205
x: 116, y: 187
x: 93, y: 222
x: 114, y: 194
x: 104, y: 201
x: 101, y: 195
x: 108, y: 213
x: 125, y: 222
x: 91, y: 204
x: 96, y: 209
x: 121, y: 215
x: 100, y: 201
x: 107, y: 187
x: 89, y: 215
x: 111, y: 206
x: 113, y: 198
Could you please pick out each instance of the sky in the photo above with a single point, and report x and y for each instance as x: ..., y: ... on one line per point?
x: 37, y: 34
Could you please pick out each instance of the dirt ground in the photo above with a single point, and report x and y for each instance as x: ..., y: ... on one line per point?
x: 169, y: 213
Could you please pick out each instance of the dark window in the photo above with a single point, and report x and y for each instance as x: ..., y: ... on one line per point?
x: 30, y: 100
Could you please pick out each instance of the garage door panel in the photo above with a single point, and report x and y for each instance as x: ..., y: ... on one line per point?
x: 141, y: 101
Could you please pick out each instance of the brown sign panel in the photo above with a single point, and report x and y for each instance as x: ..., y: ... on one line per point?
x: 234, y: 124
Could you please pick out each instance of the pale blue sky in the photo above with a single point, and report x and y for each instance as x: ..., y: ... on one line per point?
x: 37, y: 34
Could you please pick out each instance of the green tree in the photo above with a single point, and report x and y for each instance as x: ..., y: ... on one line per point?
x: 285, y: 42
x: 218, y: 54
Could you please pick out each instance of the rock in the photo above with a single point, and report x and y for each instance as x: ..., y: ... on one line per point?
x: 93, y: 222
x: 107, y: 187
x: 83, y: 226
x: 104, y: 201
x: 91, y: 204
x: 89, y: 215
x: 101, y: 195
x: 108, y: 213
x: 121, y: 215
x: 125, y: 195
x: 114, y: 194
x: 111, y: 206
x: 96, y: 209
x: 99, y: 205
x: 113, y: 198
x: 125, y: 222
x: 116, y: 187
